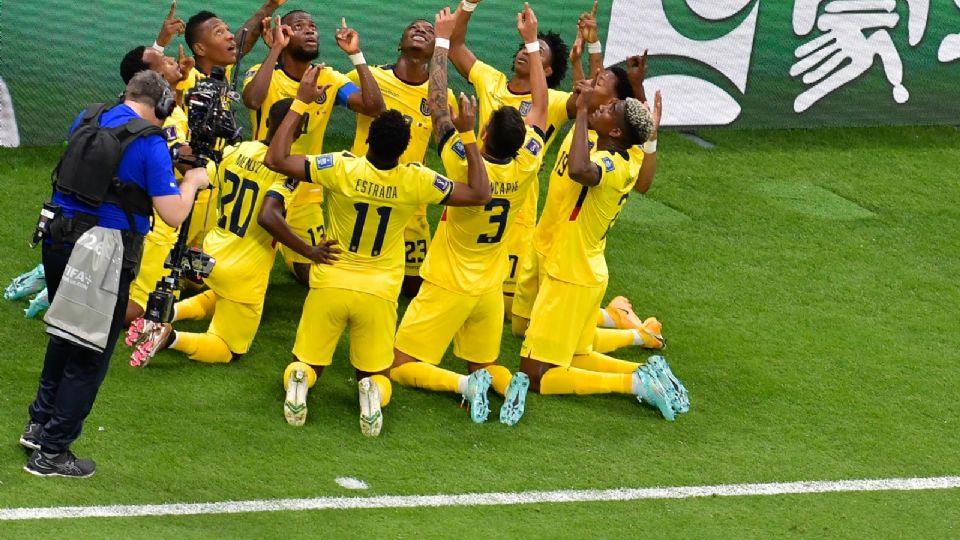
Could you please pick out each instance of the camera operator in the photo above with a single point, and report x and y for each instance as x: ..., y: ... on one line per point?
x: 76, y: 364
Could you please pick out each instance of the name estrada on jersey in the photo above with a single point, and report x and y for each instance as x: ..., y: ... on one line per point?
x: 243, y: 249
x: 410, y: 100
x: 468, y: 255
x: 368, y: 209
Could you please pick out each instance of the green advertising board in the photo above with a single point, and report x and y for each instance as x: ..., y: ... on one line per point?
x: 737, y: 63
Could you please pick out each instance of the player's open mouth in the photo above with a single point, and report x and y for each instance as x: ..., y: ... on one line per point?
x: 420, y: 38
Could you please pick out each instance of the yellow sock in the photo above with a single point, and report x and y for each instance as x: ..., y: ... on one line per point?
x: 518, y: 325
x: 311, y: 374
x: 199, y: 307
x: 207, y: 348
x: 595, y: 361
x: 608, y: 339
x: 426, y: 376
x: 501, y: 378
x: 386, y: 389
x: 573, y: 380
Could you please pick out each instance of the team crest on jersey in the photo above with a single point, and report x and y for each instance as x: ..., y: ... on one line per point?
x: 291, y: 183
x: 608, y: 164
x: 525, y: 107
x: 441, y: 183
x: 533, y: 146
x: 591, y: 144
x: 170, y: 132
x: 459, y: 149
x: 424, y: 107
x: 324, y: 161
x: 322, y: 99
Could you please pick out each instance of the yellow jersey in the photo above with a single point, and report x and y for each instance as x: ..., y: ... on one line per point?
x: 563, y: 192
x: 175, y: 130
x: 410, y: 100
x: 367, y: 210
x: 492, y: 94
x: 577, y: 253
x: 468, y: 255
x: 314, y: 121
x: 243, y: 249
x: 195, y: 75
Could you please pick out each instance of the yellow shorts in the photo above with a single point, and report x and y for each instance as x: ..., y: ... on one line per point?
x: 236, y: 323
x: 528, y: 283
x: 327, y: 311
x: 156, y: 247
x: 203, y: 219
x: 519, y: 239
x: 307, y: 222
x: 436, y: 316
x: 416, y: 242
x: 563, y: 322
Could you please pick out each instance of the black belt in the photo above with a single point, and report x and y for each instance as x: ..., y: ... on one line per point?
x: 67, y: 230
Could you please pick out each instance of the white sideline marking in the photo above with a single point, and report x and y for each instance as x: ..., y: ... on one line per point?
x: 480, y: 499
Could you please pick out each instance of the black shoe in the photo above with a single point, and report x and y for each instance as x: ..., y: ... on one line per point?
x: 62, y: 464
x: 31, y: 435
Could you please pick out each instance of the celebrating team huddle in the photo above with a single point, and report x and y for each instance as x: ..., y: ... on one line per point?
x: 351, y: 225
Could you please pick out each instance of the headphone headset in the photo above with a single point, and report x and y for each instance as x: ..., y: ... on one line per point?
x: 165, y: 104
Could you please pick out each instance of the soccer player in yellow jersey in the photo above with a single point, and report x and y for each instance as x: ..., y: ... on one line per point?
x: 404, y: 88
x: 494, y: 90
x: 161, y: 237
x: 461, y: 297
x: 619, y: 326
x: 369, y: 200
x: 294, y: 46
x: 244, y: 250
x: 561, y: 324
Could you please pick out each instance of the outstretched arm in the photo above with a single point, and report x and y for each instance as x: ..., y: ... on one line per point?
x: 591, y: 40
x: 272, y: 220
x: 254, y: 24
x: 649, y: 166
x: 256, y: 90
x: 437, y: 88
x: 527, y: 26
x: 582, y: 169
x: 368, y: 100
x: 476, y: 192
x: 171, y: 26
x: 278, y: 156
x: 462, y: 57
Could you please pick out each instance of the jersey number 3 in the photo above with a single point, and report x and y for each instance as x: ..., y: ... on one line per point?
x: 499, y: 218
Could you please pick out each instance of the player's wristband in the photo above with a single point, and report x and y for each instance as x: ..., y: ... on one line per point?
x: 157, y: 47
x: 468, y: 137
x: 533, y: 46
x: 299, y: 107
x: 469, y: 6
x: 594, y: 48
x: 441, y: 42
x: 357, y: 59
x: 650, y: 147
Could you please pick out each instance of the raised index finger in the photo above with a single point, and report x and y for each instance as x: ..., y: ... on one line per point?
x: 173, y: 9
x: 343, y: 22
x: 594, y: 11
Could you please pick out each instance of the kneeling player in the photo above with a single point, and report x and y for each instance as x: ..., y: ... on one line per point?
x: 461, y: 297
x: 370, y: 199
x: 244, y: 250
x: 561, y: 324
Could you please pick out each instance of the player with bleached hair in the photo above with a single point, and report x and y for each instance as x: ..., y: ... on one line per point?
x: 562, y: 321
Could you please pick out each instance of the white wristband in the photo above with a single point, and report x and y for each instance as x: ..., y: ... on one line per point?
x: 594, y: 48
x: 357, y: 58
x: 533, y: 46
x: 650, y: 147
x: 469, y: 6
x: 443, y: 43
x: 156, y: 46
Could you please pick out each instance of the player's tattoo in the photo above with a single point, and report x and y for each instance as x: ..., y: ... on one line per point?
x: 437, y: 93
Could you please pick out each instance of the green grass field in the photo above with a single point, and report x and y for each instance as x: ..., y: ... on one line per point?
x: 807, y: 283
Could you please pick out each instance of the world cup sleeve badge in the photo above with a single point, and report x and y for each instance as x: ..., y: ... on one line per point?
x: 324, y: 161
